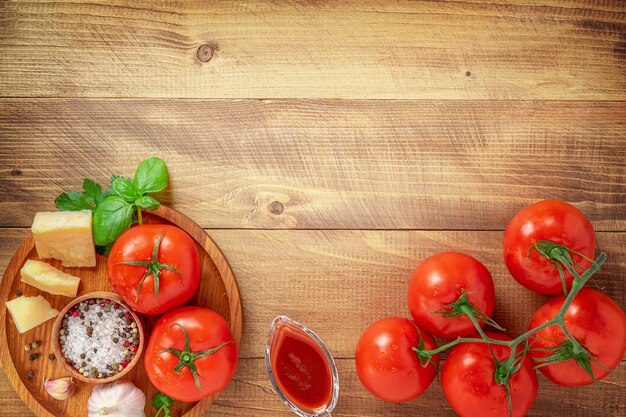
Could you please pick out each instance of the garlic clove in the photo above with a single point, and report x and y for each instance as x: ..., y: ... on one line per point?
x: 60, y: 389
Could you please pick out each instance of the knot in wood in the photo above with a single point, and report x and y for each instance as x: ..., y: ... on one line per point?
x: 205, y: 53
x: 277, y: 207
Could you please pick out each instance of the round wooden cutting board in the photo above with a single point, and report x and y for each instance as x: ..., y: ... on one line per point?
x: 218, y: 291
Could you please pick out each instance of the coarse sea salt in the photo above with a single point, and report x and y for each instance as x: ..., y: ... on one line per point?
x: 99, y: 337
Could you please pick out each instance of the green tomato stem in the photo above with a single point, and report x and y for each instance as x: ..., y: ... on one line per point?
x: 472, y: 318
x: 188, y: 358
x: 154, y: 268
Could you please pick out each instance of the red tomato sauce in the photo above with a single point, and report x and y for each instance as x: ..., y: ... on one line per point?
x: 301, y: 369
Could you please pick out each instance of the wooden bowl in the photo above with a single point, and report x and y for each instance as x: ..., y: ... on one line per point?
x: 56, y: 347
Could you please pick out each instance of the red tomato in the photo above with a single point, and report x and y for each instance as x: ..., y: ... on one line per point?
x: 211, y: 349
x: 550, y: 220
x: 386, y: 363
x: 595, y: 321
x: 438, y: 281
x: 468, y: 381
x: 131, y: 264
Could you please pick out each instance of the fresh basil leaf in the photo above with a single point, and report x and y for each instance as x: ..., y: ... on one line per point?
x: 147, y: 203
x: 111, y: 219
x: 151, y: 176
x: 115, y: 176
x: 125, y: 189
x: 72, y: 201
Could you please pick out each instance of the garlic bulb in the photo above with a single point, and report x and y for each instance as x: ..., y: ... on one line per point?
x: 60, y: 389
x: 116, y: 399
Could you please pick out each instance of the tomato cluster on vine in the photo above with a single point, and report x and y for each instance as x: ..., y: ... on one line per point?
x: 575, y: 338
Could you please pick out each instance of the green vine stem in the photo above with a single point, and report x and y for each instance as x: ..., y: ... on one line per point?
x: 569, y: 349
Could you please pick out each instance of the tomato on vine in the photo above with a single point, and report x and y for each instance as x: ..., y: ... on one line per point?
x: 596, y: 322
x: 543, y: 241
x: 387, y: 363
x: 444, y: 287
x: 475, y: 376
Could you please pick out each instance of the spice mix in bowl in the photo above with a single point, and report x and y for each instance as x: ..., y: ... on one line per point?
x: 98, y: 337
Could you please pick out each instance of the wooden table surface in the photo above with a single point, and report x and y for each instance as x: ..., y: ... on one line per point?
x: 328, y: 147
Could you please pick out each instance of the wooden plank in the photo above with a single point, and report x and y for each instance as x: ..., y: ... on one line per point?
x: 251, y: 395
x: 543, y: 49
x: 324, y: 164
x: 361, y: 276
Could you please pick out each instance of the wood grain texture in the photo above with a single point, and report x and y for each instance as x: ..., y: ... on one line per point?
x: 324, y: 164
x: 360, y: 276
x: 218, y: 291
x: 510, y: 49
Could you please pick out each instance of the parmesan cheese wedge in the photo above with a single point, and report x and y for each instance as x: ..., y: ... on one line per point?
x: 30, y: 312
x: 66, y: 236
x: 47, y: 278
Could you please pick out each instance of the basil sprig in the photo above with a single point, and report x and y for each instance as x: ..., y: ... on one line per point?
x: 115, y: 209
